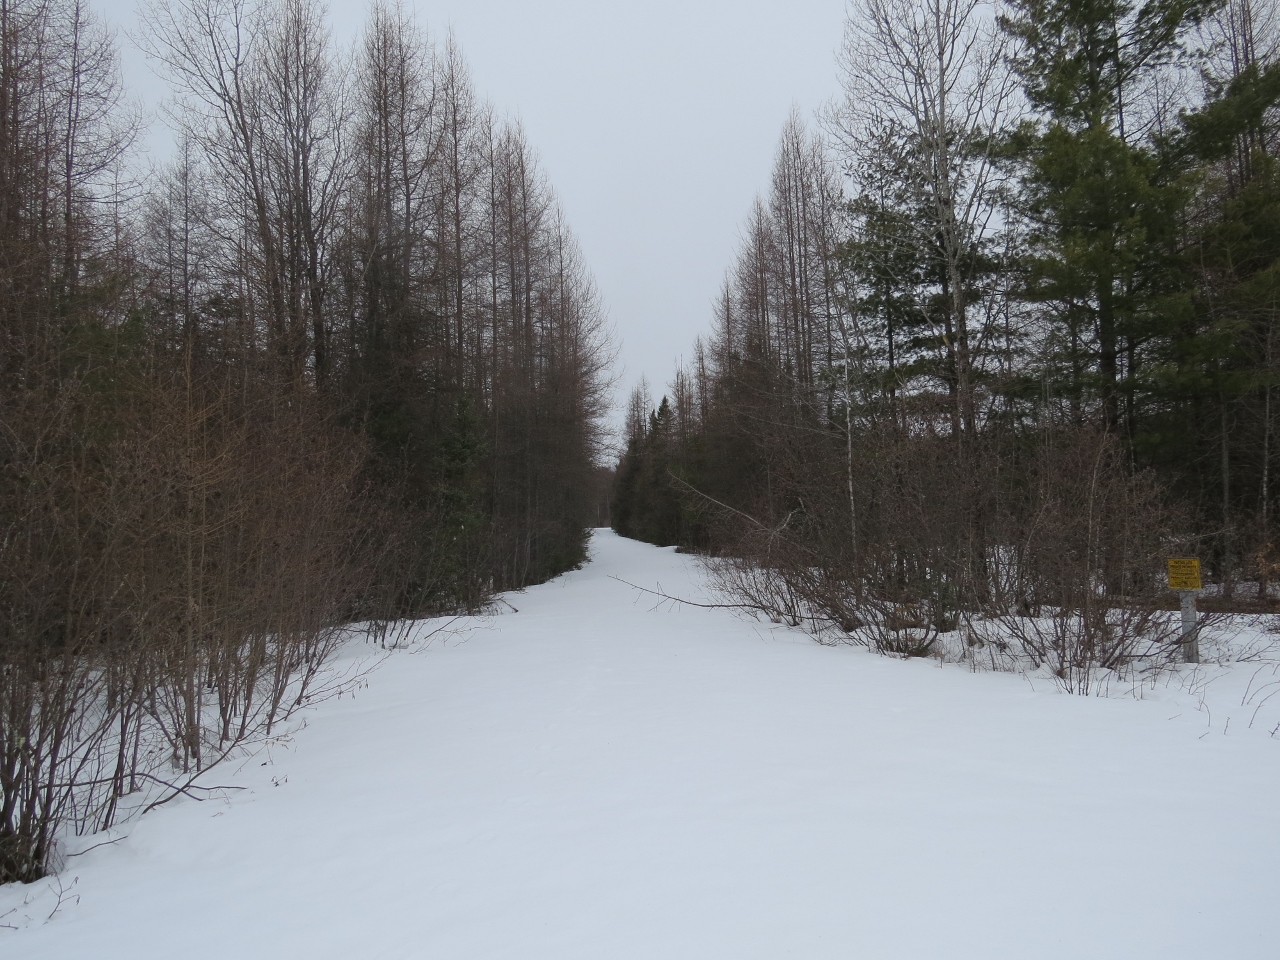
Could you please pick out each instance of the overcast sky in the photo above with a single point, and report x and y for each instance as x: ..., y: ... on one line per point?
x: 656, y: 122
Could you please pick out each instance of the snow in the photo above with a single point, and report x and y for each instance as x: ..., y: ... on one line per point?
x: 595, y: 776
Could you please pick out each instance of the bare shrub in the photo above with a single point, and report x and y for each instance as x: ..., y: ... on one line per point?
x: 170, y: 591
x: 1050, y: 553
x: 895, y: 566
x: 771, y: 572
x: 1081, y: 558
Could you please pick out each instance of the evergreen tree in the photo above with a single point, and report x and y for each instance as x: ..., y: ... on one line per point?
x: 1101, y: 204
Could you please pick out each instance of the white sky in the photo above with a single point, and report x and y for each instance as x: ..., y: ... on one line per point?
x: 656, y: 123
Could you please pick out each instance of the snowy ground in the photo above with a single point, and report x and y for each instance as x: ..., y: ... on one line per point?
x: 594, y: 778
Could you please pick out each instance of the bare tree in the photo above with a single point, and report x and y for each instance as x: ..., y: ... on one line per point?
x: 260, y: 93
x: 342, y: 362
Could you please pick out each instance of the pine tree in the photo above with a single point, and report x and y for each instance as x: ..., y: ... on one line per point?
x: 1101, y: 204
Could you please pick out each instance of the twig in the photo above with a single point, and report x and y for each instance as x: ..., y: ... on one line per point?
x: 422, y: 641
x: 62, y: 895
x: 186, y: 788
x: 690, y: 603
x: 104, y: 843
x: 1262, y: 703
x: 694, y: 490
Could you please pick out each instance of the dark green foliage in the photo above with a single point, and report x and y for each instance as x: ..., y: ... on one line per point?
x: 648, y: 501
x: 1151, y: 252
x: 1102, y: 203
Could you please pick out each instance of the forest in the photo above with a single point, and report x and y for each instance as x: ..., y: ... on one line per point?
x: 338, y: 361
x: 999, y: 340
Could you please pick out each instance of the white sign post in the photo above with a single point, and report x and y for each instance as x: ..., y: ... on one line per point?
x: 1184, y: 576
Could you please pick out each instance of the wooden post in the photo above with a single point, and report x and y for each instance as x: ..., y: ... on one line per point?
x: 1184, y: 576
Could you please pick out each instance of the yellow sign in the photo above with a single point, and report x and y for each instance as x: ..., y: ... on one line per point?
x: 1184, y: 573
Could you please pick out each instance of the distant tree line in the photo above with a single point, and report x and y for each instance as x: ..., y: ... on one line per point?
x: 1001, y: 337
x: 340, y: 360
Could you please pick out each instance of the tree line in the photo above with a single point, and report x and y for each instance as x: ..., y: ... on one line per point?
x: 1000, y: 336
x: 339, y: 360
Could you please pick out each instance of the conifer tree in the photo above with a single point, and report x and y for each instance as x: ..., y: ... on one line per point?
x: 1101, y: 204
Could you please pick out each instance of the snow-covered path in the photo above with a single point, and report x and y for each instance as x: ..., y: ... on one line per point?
x: 594, y: 778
